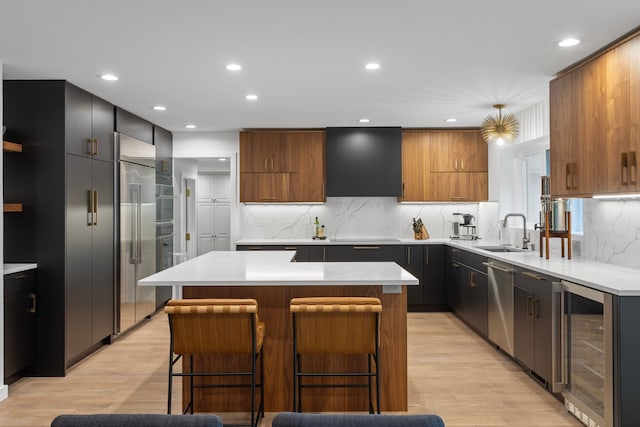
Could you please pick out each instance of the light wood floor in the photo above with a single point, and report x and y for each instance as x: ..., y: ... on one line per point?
x: 452, y: 373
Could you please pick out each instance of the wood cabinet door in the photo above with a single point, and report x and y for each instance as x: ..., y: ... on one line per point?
x: 618, y: 121
x: 255, y: 152
x: 459, y: 186
x: 565, y: 167
x: 634, y: 116
x: 444, y: 152
x: 265, y: 187
x: 308, y: 184
x: 473, y: 152
x: 416, y: 178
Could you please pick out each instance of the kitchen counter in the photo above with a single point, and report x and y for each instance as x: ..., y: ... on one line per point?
x: 622, y: 281
x: 273, y: 280
x: 17, y: 268
x: 269, y: 268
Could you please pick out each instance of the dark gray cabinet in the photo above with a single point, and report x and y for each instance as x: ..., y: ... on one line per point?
x: 430, y: 295
x: 467, y: 288
x: 532, y: 322
x: 364, y: 161
x: 89, y: 125
x: 365, y: 253
x: 19, y: 324
x: 163, y: 140
x: 134, y: 126
x: 301, y: 254
x: 73, y: 216
x: 89, y: 260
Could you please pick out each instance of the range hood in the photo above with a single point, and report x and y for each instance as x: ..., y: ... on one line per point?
x: 364, y: 161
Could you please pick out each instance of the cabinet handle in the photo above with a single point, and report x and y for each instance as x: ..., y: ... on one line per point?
x: 268, y: 198
x: 533, y: 275
x: 536, y: 307
x: 32, y: 296
x: 459, y: 197
x: 472, y: 279
x: 462, y: 161
x: 323, y: 195
x: 408, y: 255
x: 272, y: 164
x: 624, y: 169
x: 426, y: 256
x: 455, y: 265
x: 255, y: 248
x: 455, y: 251
x: 324, y: 254
x: 633, y: 168
x: 90, y: 208
x: 574, y: 175
x: 530, y: 306
x: 403, y: 191
x: 89, y: 146
x: 18, y: 276
x: 95, y: 207
x: 95, y: 145
x: 265, y: 164
x: 456, y: 166
x: 290, y: 248
x: 567, y: 176
x: 366, y: 247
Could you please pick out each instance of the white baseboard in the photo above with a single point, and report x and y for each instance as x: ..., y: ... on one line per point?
x: 4, y: 392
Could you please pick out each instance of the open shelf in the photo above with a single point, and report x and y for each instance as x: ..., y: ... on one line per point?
x: 11, y: 147
x: 12, y: 207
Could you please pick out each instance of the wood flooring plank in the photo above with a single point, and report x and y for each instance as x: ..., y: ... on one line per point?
x: 452, y: 372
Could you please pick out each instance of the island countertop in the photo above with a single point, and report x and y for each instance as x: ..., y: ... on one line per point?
x: 275, y: 268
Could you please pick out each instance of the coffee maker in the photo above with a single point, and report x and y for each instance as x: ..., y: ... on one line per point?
x: 463, y: 227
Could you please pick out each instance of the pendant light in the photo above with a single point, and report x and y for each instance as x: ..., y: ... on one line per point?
x: 500, y: 129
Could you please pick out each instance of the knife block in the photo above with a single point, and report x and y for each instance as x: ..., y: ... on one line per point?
x: 423, y: 234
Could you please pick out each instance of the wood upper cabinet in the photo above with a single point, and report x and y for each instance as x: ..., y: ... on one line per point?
x: 267, y: 151
x: 595, y: 122
x: 282, y: 166
x: 459, y: 186
x: 444, y: 165
x: 416, y: 179
x: 458, y: 151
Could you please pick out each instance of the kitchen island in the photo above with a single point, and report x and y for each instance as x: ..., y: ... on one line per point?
x: 273, y: 280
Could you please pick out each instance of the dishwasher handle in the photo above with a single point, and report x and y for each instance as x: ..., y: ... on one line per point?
x: 496, y: 267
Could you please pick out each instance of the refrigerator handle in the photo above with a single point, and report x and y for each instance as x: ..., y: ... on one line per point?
x: 95, y: 207
x: 135, y: 223
x: 90, y: 208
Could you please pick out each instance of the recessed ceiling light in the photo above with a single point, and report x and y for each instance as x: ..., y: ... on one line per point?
x: 372, y: 66
x: 251, y: 97
x: 451, y: 120
x: 568, y: 42
x: 364, y: 120
x: 160, y: 108
x: 234, y: 67
x: 109, y: 77
x: 190, y: 126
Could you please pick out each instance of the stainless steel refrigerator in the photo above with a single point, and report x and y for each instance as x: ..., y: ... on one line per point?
x: 137, y: 230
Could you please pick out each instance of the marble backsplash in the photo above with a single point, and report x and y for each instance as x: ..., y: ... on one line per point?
x: 612, y: 232
x: 364, y: 217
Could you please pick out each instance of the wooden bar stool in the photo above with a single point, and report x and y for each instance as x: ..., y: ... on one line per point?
x: 214, y: 327
x: 336, y: 325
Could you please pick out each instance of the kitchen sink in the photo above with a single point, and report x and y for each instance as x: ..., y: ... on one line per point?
x: 500, y: 248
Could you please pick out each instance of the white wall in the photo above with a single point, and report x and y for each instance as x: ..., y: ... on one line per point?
x: 4, y: 390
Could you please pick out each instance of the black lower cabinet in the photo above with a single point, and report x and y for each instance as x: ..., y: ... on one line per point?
x: 366, y: 253
x: 467, y: 288
x: 19, y: 324
x: 430, y: 295
x: 533, y: 323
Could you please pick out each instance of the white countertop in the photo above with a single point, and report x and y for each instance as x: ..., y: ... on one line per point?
x: 609, y: 278
x: 274, y: 268
x: 17, y: 268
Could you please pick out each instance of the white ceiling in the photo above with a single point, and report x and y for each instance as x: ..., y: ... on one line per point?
x: 305, y: 59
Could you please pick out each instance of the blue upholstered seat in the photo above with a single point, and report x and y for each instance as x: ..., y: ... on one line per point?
x: 136, y: 420
x: 292, y: 419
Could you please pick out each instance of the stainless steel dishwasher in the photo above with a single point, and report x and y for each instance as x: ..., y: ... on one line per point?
x: 500, y: 304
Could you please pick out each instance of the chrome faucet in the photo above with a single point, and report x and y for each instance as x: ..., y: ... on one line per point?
x: 525, y: 239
